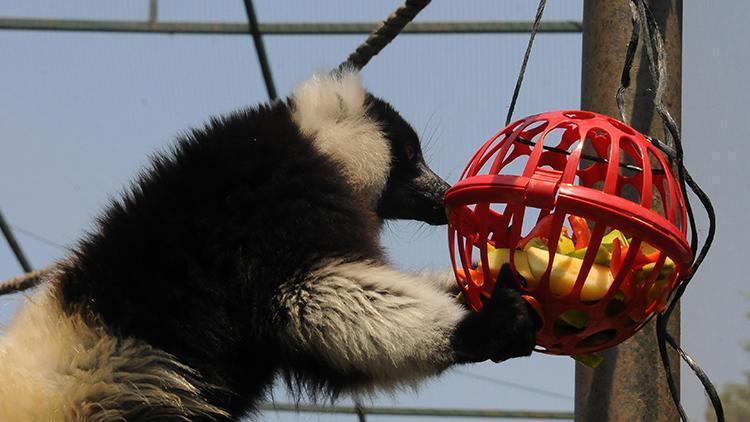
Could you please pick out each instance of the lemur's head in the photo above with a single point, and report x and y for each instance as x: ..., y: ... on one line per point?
x: 378, y: 151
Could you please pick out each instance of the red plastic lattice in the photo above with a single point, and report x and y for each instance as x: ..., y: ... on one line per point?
x: 528, y: 181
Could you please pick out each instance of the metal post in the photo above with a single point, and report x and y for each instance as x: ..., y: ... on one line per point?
x: 630, y: 384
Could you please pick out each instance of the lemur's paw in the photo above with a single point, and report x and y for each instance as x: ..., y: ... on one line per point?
x: 505, y: 327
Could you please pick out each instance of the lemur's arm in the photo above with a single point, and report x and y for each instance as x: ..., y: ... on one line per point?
x: 444, y: 281
x: 374, y: 322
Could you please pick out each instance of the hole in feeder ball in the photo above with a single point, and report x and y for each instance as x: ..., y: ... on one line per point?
x: 531, y: 217
x: 557, y: 142
x: 616, y: 304
x: 627, y: 321
x: 598, y: 339
x: 598, y: 185
x: 497, y: 208
x: 578, y: 114
x: 620, y: 125
x: 657, y: 202
x: 631, y: 193
x: 535, y: 127
x: 570, y: 322
x: 630, y: 165
x: 656, y: 166
x: 596, y: 145
x: 573, y: 146
x: 516, y: 159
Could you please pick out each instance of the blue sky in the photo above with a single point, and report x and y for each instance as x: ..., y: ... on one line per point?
x: 81, y: 112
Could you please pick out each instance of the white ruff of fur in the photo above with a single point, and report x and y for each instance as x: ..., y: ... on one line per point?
x: 394, y: 327
x: 54, y: 367
x: 332, y: 112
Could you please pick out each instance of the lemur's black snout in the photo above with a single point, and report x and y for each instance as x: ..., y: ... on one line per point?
x: 434, y: 190
x: 419, y: 197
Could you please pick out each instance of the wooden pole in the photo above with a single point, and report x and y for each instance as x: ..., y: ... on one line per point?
x: 630, y: 384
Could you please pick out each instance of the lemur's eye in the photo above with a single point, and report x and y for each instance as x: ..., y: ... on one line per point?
x: 411, y: 151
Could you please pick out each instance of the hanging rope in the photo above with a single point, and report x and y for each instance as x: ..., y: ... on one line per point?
x: 643, y: 20
x: 25, y: 281
x: 522, y: 72
x: 383, y: 34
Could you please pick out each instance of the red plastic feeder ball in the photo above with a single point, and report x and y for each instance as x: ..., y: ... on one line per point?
x: 589, y: 216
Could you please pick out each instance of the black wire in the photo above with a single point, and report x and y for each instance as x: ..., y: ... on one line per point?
x: 39, y: 237
x: 260, y: 49
x: 522, y: 72
x: 359, y: 409
x: 629, y: 56
x: 593, y: 158
x: 14, y: 246
x: 655, y: 53
x: 514, y: 385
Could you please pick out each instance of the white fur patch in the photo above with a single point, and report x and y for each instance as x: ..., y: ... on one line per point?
x: 394, y: 327
x: 331, y: 110
x: 54, y: 367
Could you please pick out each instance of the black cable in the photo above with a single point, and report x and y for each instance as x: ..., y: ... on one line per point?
x: 514, y: 385
x: 643, y: 17
x: 260, y: 49
x: 522, y: 72
x: 29, y: 279
x: 360, y: 411
x: 588, y: 157
x: 629, y: 56
x: 39, y: 237
x: 14, y: 246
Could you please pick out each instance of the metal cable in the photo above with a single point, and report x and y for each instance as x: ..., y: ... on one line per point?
x: 31, y: 278
x: 629, y: 56
x: 260, y: 50
x: 14, y: 246
x: 643, y: 20
x: 522, y: 72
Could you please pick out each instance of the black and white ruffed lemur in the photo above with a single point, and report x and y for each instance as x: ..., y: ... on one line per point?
x: 249, y: 251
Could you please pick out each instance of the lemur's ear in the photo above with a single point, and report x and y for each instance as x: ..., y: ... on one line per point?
x: 325, y: 99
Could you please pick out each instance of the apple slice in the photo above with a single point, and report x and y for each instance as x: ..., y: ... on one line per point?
x: 564, y: 272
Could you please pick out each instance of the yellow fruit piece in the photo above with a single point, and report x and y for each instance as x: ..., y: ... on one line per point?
x: 565, y: 245
x: 592, y: 360
x: 501, y: 256
x: 564, y: 272
x: 603, y: 257
x: 575, y: 318
x: 610, y: 237
x: 666, y: 270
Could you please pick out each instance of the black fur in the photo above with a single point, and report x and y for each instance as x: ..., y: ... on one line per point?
x: 190, y: 259
x: 413, y: 191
